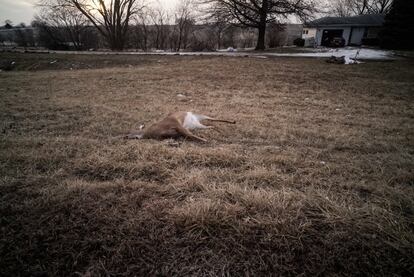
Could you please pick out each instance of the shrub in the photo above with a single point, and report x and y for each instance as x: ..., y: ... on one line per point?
x: 299, y: 42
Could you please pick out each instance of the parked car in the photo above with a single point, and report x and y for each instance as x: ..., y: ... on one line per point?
x: 337, y: 42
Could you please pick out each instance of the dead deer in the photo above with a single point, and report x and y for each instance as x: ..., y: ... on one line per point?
x: 176, y: 125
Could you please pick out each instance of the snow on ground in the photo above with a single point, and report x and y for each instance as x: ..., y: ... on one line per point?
x: 348, y: 52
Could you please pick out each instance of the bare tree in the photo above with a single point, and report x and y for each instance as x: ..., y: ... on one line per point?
x: 62, y: 23
x: 111, y: 18
x: 219, y: 26
x: 23, y: 36
x: 359, y: 7
x: 184, y: 20
x: 380, y: 6
x: 160, y: 18
x: 203, y: 38
x: 258, y: 13
x: 340, y: 8
x: 140, y: 32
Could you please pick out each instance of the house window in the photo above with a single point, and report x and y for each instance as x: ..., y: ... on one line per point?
x: 305, y: 32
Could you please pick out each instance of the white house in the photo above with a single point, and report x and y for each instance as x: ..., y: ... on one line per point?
x: 355, y: 30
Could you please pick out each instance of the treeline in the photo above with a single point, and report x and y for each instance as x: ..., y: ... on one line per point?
x: 193, y: 24
x: 20, y: 35
x: 195, y: 37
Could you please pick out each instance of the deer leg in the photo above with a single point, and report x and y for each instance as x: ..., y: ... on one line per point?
x: 221, y: 120
x: 184, y: 132
x: 133, y: 136
x: 205, y: 117
x: 213, y: 128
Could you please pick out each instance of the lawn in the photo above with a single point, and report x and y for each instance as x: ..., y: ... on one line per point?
x: 316, y: 177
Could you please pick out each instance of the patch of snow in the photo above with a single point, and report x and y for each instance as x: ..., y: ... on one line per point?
x: 228, y: 49
x: 259, y: 57
x: 348, y: 52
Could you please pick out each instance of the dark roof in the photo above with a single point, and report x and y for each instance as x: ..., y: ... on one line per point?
x: 359, y: 20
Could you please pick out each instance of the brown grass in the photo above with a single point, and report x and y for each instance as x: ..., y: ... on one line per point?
x: 316, y: 178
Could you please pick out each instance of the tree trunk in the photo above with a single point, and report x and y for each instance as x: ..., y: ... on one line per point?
x: 116, y: 44
x: 179, y: 39
x: 262, y: 26
x: 261, y: 38
x: 218, y: 40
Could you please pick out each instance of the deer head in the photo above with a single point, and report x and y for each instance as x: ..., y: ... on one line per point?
x: 138, y: 134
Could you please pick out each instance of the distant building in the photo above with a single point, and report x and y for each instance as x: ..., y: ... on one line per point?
x: 355, y: 30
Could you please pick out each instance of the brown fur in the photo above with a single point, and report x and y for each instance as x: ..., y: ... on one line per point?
x: 170, y: 127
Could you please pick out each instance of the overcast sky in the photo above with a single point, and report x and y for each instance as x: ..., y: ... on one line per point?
x: 24, y: 10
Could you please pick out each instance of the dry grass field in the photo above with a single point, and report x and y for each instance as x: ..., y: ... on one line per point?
x: 315, y: 179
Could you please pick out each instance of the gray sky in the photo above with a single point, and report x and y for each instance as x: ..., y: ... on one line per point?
x: 16, y: 10
x: 24, y: 10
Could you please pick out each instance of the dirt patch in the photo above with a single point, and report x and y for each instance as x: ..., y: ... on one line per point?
x: 10, y: 61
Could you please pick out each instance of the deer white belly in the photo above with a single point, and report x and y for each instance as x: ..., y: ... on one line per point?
x: 192, y: 121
